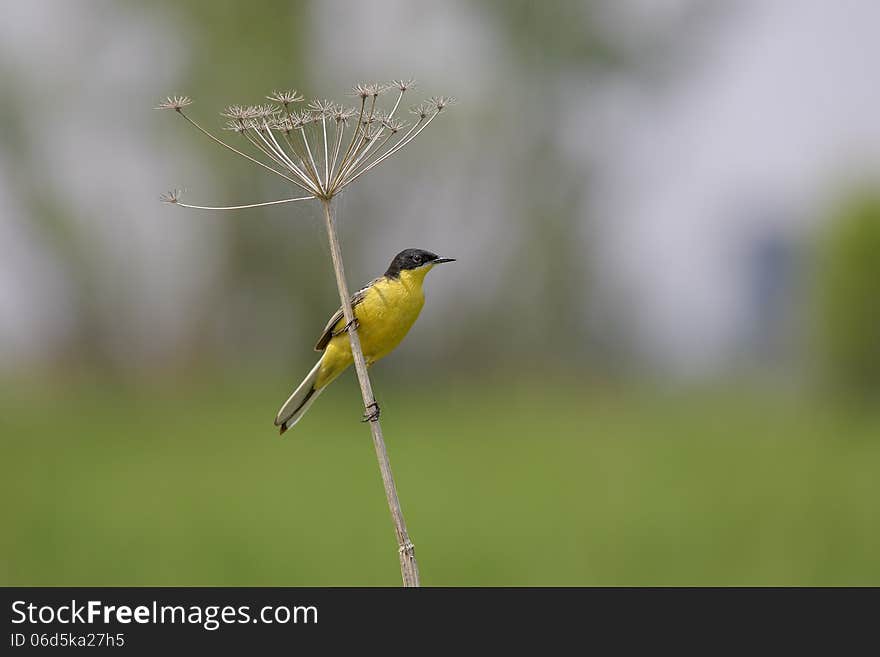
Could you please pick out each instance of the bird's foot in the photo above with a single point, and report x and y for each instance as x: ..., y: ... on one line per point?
x: 371, y: 414
x: 355, y: 324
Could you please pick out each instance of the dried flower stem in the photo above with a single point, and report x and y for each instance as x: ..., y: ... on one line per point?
x: 370, y: 144
x: 409, y: 568
x: 169, y: 199
x: 238, y: 152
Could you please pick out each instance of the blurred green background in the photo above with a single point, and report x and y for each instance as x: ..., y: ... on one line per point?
x: 501, y: 484
x: 657, y: 360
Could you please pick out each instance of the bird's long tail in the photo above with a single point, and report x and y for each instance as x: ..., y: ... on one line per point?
x: 300, y: 401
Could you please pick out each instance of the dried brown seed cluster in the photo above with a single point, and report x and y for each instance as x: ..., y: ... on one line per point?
x: 319, y: 148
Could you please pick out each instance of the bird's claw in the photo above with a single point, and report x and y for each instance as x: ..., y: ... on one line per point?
x: 371, y: 415
x: 355, y: 324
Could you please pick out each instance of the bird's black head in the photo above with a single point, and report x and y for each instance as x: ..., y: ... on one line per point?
x: 413, y: 259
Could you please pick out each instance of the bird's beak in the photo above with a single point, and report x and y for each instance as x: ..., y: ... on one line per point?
x: 440, y: 260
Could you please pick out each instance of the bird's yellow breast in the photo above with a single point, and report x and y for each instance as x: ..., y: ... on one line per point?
x: 385, y: 315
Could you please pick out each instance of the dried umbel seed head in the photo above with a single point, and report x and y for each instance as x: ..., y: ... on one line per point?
x: 442, y: 102
x: 266, y: 111
x: 286, y: 97
x: 343, y: 114
x: 321, y: 108
x: 323, y: 147
x: 362, y: 91
x: 392, y: 124
x: 282, y: 124
x: 300, y: 119
x: 172, y: 196
x: 176, y: 103
x: 422, y: 110
x: 366, y: 90
x: 239, y: 112
x: 403, y: 85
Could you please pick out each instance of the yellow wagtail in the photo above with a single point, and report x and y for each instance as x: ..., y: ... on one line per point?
x: 385, y: 310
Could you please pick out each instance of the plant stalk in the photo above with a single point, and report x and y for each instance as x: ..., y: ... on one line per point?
x: 409, y: 568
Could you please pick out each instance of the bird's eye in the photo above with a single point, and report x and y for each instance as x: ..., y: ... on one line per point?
x: 417, y: 259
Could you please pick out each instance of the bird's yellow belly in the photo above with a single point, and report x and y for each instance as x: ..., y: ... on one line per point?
x: 385, y: 316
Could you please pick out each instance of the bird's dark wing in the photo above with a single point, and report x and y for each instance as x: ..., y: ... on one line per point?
x: 337, y: 322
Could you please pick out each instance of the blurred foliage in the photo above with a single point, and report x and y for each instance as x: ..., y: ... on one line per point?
x: 559, y: 32
x: 548, y: 235
x: 270, y: 272
x: 238, y: 55
x: 558, y: 484
x: 848, y: 301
